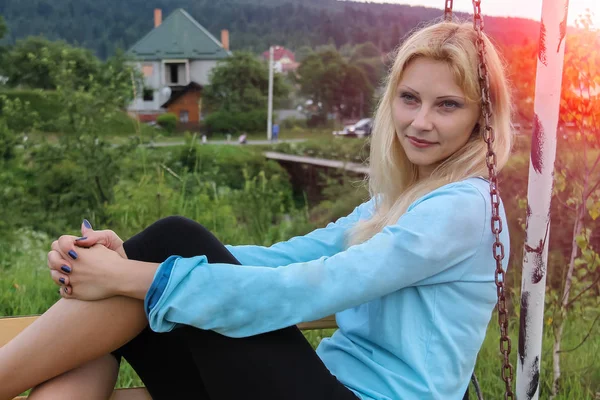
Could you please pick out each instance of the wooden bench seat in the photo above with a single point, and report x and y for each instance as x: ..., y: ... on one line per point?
x: 11, y: 326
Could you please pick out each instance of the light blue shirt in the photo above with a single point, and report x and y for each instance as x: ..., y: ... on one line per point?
x: 412, y: 303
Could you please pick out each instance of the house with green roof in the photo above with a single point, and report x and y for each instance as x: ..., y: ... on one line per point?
x: 175, y: 59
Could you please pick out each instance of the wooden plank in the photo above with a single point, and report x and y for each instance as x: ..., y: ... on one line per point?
x: 322, y: 162
x: 12, y: 326
x: 121, y: 394
x: 323, y: 323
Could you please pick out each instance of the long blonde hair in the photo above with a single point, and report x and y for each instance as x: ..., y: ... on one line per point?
x: 393, y: 180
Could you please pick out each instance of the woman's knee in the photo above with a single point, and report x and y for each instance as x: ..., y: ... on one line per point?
x: 176, y: 235
x: 175, y: 226
x: 175, y: 222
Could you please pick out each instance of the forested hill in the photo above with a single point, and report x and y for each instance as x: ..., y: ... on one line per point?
x: 105, y: 25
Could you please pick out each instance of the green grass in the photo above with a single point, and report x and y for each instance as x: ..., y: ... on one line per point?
x: 26, y: 288
x: 580, y: 368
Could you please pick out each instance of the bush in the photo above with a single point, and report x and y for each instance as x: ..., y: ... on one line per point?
x: 45, y: 103
x: 236, y: 122
x: 48, y: 107
x: 293, y: 122
x: 167, y: 121
x: 317, y: 120
x: 224, y: 164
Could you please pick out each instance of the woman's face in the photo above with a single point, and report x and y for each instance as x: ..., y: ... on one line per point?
x: 432, y: 116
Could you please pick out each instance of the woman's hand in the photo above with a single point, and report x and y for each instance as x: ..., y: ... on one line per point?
x: 84, y: 273
x: 107, y: 238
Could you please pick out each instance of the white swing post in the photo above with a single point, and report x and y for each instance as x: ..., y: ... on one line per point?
x: 550, y: 61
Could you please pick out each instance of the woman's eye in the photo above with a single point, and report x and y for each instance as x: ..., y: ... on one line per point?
x: 408, y: 98
x: 450, y: 104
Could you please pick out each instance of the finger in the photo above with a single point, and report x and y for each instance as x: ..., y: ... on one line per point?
x: 86, y: 227
x: 91, y: 238
x: 86, y: 239
x: 57, y: 262
x: 66, y: 292
x: 66, y: 246
x: 56, y: 248
x: 59, y: 279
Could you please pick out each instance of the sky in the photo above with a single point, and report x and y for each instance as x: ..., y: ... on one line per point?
x: 531, y: 9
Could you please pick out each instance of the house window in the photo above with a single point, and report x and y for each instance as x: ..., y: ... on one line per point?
x: 174, y: 73
x: 148, y: 94
x: 184, y: 116
x: 147, y: 70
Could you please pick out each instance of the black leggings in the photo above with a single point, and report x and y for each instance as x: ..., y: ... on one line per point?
x: 190, y: 363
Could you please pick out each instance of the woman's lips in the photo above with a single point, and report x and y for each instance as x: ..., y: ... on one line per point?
x: 420, y: 143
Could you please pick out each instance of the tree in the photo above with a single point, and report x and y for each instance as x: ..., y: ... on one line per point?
x: 337, y: 86
x: 3, y: 28
x: 319, y: 79
x: 240, y: 84
x: 303, y: 52
x: 355, y: 93
x: 88, y: 103
x: 374, y: 70
x: 365, y: 50
x: 578, y: 180
x: 82, y: 158
x: 31, y: 63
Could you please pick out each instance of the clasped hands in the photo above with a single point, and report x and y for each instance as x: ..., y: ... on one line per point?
x: 87, y: 268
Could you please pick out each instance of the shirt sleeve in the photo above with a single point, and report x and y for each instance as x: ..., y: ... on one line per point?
x: 318, y: 243
x: 429, y: 244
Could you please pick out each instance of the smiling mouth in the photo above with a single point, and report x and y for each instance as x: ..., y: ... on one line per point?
x: 419, y: 141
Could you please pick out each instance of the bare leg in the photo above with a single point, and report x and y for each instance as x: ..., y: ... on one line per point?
x: 92, y: 381
x: 70, y: 334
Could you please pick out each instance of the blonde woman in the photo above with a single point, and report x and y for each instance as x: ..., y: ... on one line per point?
x: 409, y: 273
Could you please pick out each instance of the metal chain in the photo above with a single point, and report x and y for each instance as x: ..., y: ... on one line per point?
x: 496, y: 220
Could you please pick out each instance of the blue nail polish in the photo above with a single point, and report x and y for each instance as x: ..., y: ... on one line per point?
x: 72, y: 254
x: 66, y: 291
x: 81, y: 238
x: 66, y: 269
x: 62, y: 280
x: 87, y: 224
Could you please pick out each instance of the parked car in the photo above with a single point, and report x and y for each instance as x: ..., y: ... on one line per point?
x: 360, y: 129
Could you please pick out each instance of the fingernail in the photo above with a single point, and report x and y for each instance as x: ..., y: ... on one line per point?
x: 62, y: 280
x: 66, y: 269
x: 81, y: 238
x: 66, y: 290
x: 72, y: 254
x: 87, y: 224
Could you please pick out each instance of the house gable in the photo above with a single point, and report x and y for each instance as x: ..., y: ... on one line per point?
x: 179, y: 37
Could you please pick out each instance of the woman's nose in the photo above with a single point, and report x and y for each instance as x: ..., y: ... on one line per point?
x: 422, y: 121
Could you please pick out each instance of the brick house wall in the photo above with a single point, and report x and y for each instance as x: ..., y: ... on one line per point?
x: 190, y: 103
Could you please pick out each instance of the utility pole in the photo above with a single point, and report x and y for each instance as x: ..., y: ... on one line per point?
x: 270, y: 101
